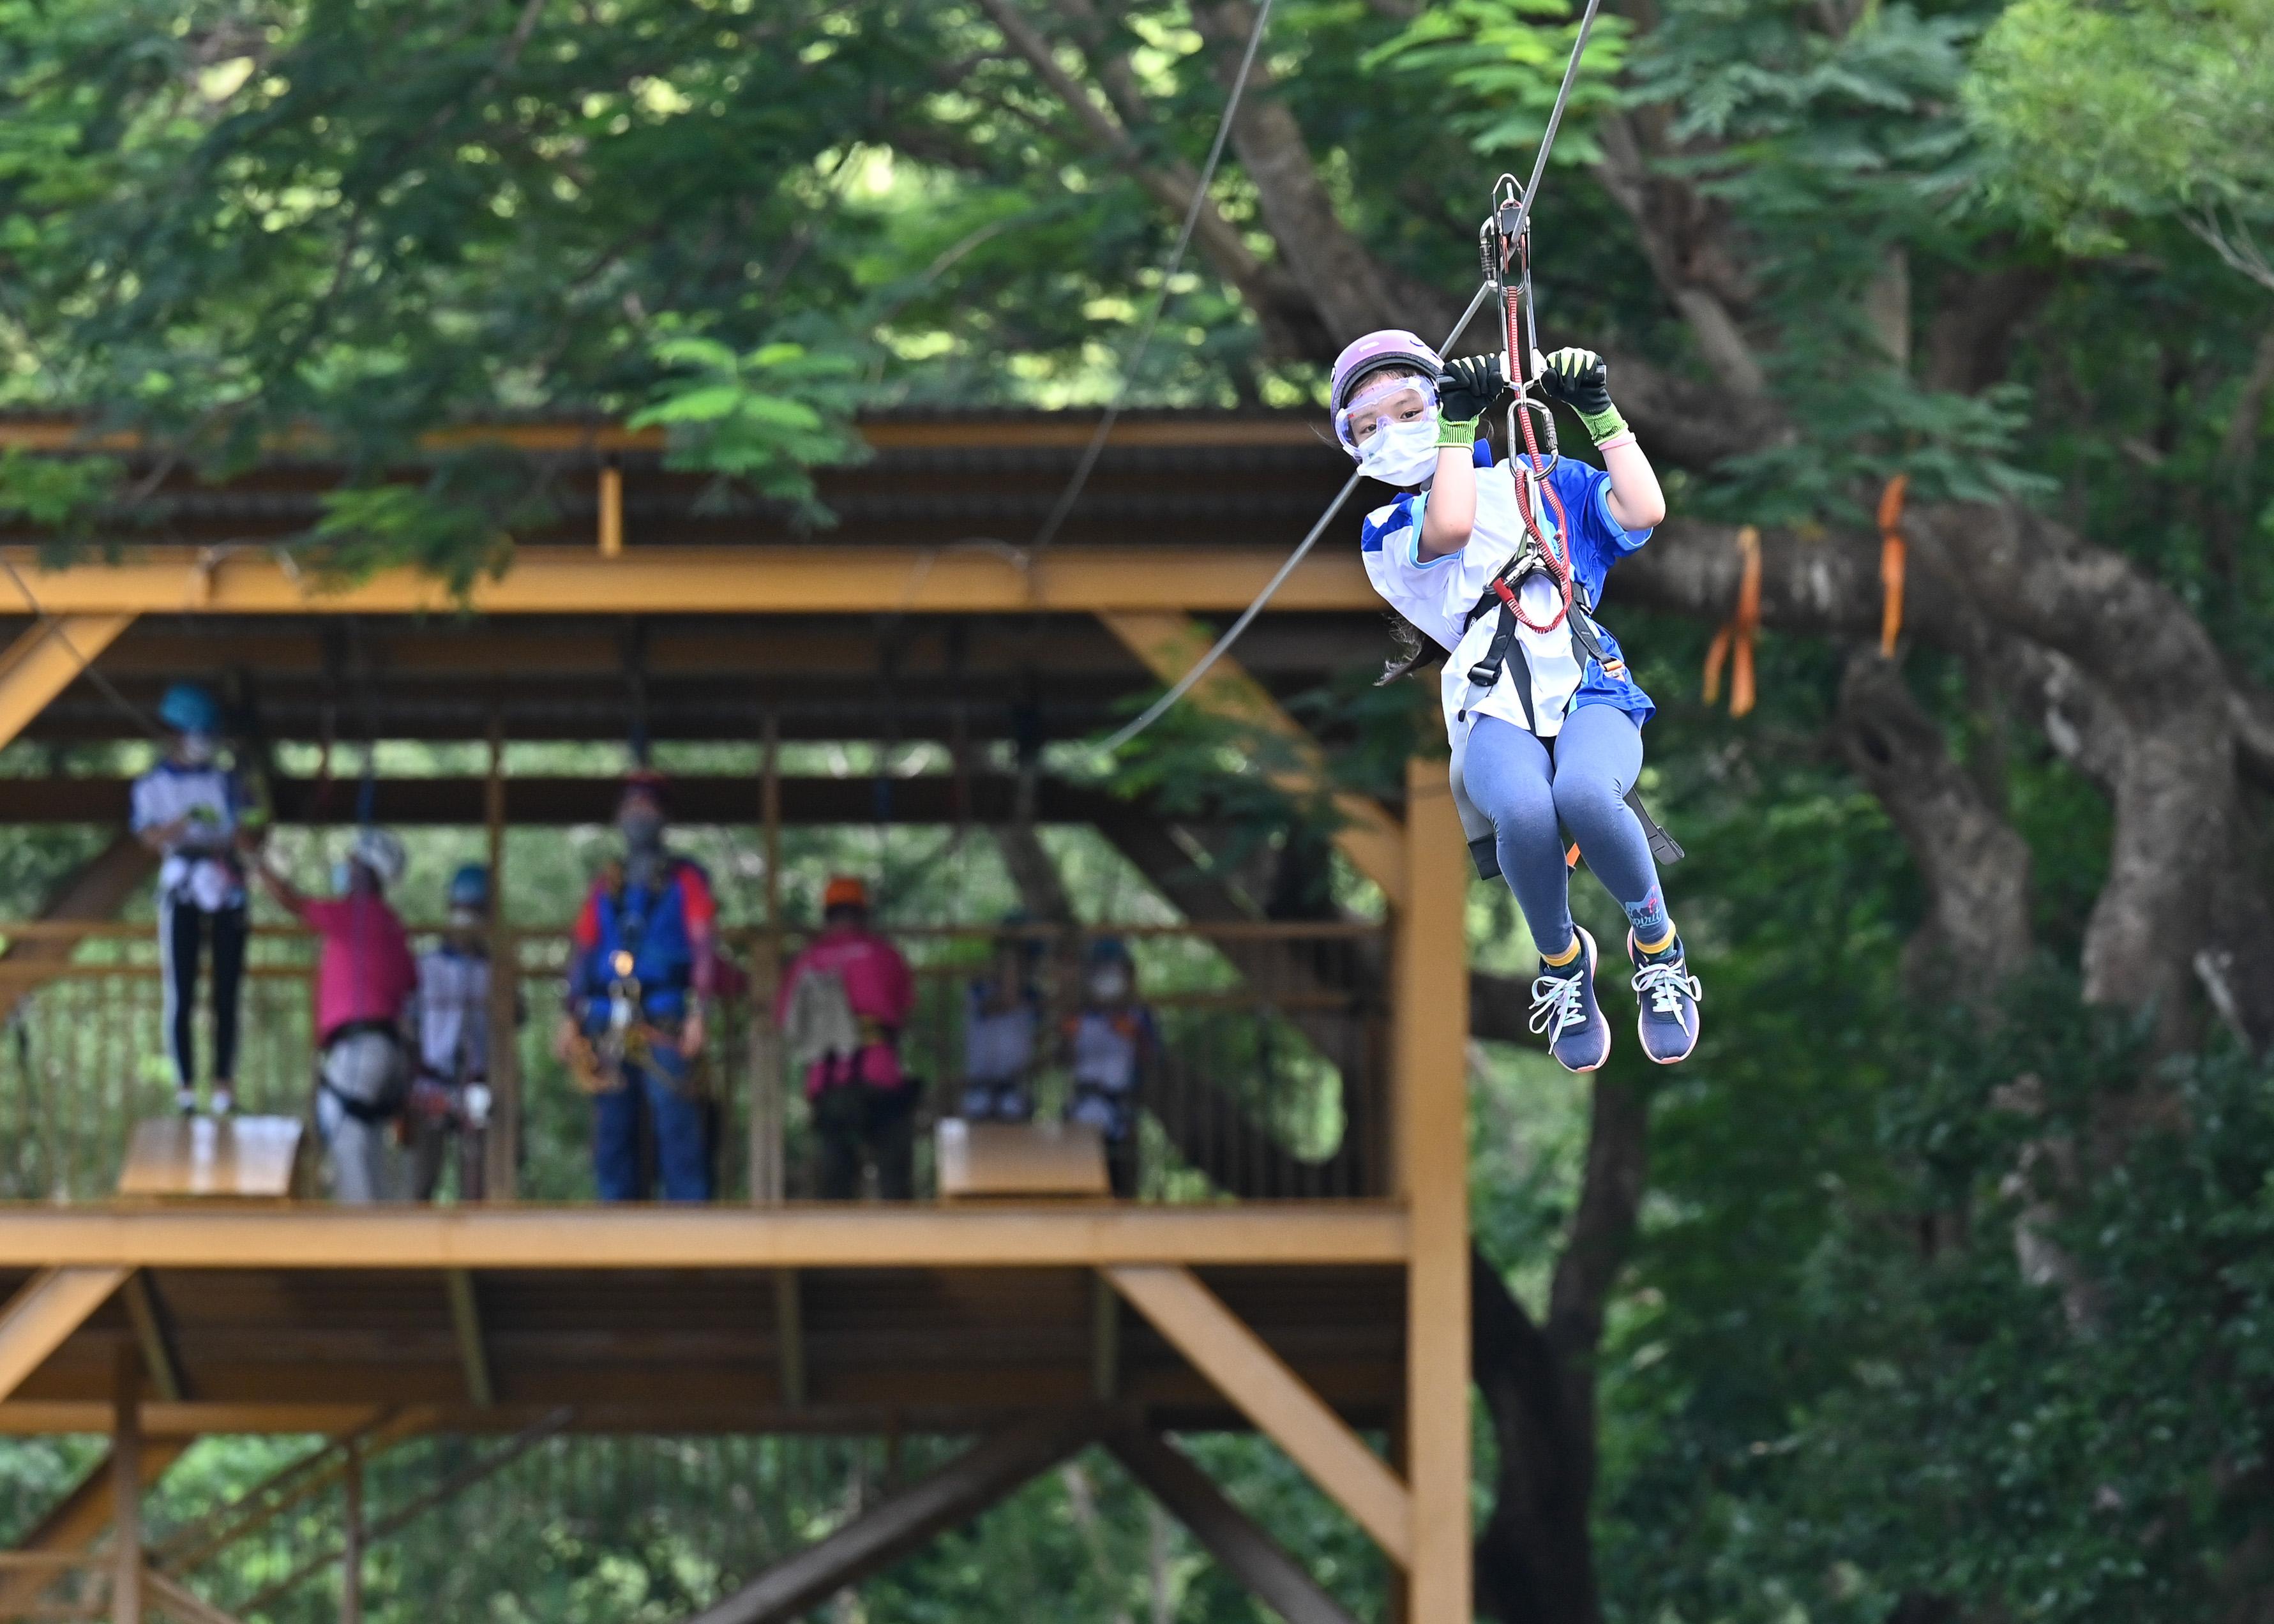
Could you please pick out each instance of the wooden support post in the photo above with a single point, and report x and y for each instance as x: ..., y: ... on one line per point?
x: 1429, y: 995
x: 1245, y: 1370
x: 768, y: 1184
x: 352, y: 1537
x: 612, y: 510
x: 1170, y: 643
x: 1104, y: 1340
x: 502, y: 1175
x: 155, y: 1339
x: 789, y: 1337
x: 473, y: 1348
x: 48, y: 658
x: 50, y: 1306
x: 126, y: 1486
x: 902, y: 1522
x: 1248, y: 1554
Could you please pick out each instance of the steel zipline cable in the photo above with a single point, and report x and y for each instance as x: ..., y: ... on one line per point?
x: 1185, y: 684
x: 1067, y: 498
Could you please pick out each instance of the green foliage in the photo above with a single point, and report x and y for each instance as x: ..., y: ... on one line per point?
x: 757, y: 418
x: 1500, y: 70
x: 2102, y: 117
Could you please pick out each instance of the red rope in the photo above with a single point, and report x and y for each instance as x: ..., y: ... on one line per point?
x: 1555, y: 552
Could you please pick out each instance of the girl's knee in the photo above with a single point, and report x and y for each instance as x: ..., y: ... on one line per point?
x: 1585, y: 796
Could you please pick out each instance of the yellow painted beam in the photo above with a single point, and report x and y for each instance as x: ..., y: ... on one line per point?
x: 1245, y: 1370
x: 47, y: 658
x: 1429, y: 1071
x: 52, y: 1304
x: 786, y: 579
x: 1171, y: 644
x: 107, y: 1240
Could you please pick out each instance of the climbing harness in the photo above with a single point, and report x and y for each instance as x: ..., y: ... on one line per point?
x: 1515, y: 231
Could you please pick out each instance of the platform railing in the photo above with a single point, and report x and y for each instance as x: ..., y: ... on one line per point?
x: 1269, y: 1081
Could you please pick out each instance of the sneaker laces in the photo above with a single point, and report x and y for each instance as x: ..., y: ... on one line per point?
x: 1666, y: 985
x: 1555, y: 1002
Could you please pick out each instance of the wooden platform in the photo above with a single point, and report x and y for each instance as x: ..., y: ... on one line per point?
x: 642, y: 1320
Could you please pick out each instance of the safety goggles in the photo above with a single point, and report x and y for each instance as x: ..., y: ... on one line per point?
x: 1395, y: 399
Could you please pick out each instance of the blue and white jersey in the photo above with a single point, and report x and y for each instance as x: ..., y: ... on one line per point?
x: 1438, y: 594
x: 451, y: 1013
x: 201, y: 867
x: 998, y: 1045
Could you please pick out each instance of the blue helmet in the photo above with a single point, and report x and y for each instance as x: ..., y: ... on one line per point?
x: 189, y: 709
x: 1108, y: 949
x: 469, y: 887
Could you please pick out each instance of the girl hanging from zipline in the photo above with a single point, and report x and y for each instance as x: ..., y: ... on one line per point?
x: 1503, y: 568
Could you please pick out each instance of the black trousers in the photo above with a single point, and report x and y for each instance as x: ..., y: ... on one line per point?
x: 853, y: 1120
x: 183, y: 933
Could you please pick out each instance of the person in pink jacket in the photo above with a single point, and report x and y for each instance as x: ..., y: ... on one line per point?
x: 845, y: 999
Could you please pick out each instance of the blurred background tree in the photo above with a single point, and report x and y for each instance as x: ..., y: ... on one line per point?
x: 1933, y: 1289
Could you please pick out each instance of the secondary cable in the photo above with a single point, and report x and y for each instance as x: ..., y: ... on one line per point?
x: 1185, y: 684
x: 1072, y: 494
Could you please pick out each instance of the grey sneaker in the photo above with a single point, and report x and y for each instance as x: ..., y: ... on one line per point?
x: 1668, y: 994
x: 1565, y: 1012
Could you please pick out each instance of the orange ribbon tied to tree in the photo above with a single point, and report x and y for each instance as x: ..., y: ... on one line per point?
x: 1893, y: 556
x: 1734, y: 642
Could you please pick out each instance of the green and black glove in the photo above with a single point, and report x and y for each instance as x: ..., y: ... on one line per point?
x: 1466, y: 390
x: 1581, y: 379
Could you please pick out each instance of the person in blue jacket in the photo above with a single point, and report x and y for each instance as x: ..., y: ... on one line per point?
x: 643, y: 964
x: 1503, y: 567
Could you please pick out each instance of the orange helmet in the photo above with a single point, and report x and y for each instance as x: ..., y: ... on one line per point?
x: 845, y: 890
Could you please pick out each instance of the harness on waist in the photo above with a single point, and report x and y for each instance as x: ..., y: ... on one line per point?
x: 1506, y: 648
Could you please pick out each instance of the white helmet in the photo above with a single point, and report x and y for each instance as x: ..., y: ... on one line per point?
x: 380, y: 853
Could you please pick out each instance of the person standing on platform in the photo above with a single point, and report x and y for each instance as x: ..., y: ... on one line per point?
x: 450, y: 1023
x: 643, y: 964
x: 1110, y: 1044
x: 1002, y: 1022
x: 365, y: 977
x: 196, y: 815
x: 843, y: 1002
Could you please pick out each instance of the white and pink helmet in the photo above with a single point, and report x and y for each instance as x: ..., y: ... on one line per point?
x: 1362, y: 357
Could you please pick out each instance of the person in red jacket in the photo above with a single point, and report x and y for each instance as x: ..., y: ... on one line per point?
x: 843, y: 1002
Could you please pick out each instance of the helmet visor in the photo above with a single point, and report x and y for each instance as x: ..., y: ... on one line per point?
x: 1393, y: 400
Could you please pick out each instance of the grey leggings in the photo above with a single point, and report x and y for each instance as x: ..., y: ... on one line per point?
x: 1525, y: 791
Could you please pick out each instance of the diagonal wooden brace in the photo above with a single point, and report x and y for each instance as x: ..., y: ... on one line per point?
x: 52, y: 1304
x: 896, y: 1526
x: 1245, y: 1370
x: 48, y: 658
x: 1170, y: 643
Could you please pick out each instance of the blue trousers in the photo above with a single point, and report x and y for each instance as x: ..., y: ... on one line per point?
x: 1578, y: 781
x: 682, y: 1130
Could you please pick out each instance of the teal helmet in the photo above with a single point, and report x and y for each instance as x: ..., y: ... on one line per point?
x: 188, y: 707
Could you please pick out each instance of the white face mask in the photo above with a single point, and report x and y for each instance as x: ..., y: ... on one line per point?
x: 198, y: 749
x: 1401, y: 453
